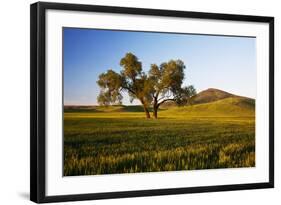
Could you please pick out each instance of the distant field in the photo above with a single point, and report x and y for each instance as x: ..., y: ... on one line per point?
x: 118, y: 139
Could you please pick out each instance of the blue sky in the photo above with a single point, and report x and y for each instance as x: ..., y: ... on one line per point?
x: 223, y: 62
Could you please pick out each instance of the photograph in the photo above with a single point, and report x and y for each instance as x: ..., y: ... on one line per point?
x: 142, y: 101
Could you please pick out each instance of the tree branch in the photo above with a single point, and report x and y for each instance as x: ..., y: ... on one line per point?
x: 169, y: 99
x: 161, y: 98
x: 130, y: 90
x: 165, y: 96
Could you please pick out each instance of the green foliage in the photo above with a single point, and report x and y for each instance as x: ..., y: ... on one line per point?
x: 116, y: 139
x: 132, y: 66
x: 110, y: 83
x: 166, y: 84
x: 184, y: 95
x: 130, y: 79
x: 162, y: 84
x: 166, y: 79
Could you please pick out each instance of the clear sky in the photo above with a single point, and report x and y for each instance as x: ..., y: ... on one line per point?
x: 223, y: 62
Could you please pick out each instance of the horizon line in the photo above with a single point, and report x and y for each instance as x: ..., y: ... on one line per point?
x: 140, y: 103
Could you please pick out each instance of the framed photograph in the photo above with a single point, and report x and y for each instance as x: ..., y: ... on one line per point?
x: 129, y: 102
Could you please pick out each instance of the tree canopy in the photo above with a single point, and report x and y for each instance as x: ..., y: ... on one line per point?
x: 162, y: 83
x: 166, y: 83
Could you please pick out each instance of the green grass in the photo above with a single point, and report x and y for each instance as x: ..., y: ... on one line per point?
x: 117, y: 139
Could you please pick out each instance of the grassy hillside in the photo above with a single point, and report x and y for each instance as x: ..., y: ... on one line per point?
x: 232, y: 106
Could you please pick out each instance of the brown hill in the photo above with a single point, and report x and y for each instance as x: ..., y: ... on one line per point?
x: 210, y: 95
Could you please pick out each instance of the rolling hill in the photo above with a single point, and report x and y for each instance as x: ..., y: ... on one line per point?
x: 232, y: 106
x: 210, y: 95
x: 215, y: 102
x: 210, y: 102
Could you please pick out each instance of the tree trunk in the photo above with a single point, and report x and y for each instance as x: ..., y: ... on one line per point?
x: 145, y: 108
x: 146, y: 112
x: 155, y: 108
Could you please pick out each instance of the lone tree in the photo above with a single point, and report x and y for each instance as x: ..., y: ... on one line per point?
x: 163, y: 83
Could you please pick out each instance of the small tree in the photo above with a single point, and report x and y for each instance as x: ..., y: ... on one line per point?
x: 166, y: 84
x: 131, y: 79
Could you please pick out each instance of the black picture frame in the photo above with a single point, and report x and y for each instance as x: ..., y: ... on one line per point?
x: 38, y: 103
